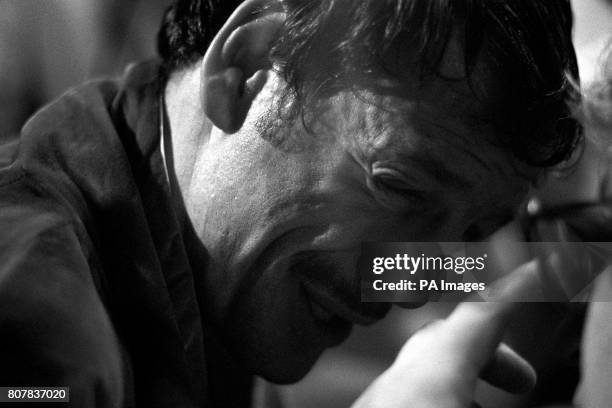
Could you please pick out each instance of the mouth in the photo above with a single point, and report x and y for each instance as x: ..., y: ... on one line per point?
x: 328, y: 308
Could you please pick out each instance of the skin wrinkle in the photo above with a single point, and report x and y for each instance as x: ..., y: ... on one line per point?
x: 377, y: 130
x: 449, y: 179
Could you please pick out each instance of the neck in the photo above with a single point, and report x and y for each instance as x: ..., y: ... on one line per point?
x: 188, y: 127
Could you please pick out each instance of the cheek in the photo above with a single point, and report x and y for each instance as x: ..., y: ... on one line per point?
x: 241, y: 173
x: 244, y: 187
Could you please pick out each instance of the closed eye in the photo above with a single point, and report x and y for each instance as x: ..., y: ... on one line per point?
x: 392, y: 189
x: 392, y: 185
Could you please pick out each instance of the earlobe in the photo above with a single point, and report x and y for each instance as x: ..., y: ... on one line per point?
x: 235, y: 67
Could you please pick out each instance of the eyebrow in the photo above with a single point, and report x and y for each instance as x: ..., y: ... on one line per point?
x: 441, y: 172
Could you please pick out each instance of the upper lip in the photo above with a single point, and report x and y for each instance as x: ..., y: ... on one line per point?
x: 361, y: 313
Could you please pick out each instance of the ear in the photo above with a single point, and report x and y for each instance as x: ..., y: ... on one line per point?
x: 236, y: 64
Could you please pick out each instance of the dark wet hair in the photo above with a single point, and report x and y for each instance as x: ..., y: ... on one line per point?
x: 326, y: 44
x: 188, y: 28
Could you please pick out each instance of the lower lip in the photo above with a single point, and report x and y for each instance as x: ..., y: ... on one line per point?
x: 337, y: 328
x: 320, y: 313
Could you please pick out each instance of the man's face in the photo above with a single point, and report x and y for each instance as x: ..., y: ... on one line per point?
x: 282, y: 214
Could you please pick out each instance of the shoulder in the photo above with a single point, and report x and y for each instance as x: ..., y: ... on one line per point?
x: 94, y: 119
x: 87, y: 142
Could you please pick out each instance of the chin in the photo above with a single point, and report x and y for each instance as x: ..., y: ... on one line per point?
x: 288, y: 361
x: 281, y: 365
x: 286, y: 372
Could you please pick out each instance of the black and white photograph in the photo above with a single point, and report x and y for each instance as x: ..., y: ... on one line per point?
x: 306, y: 203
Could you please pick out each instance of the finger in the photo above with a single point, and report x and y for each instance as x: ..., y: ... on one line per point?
x: 509, y: 371
x: 477, y: 327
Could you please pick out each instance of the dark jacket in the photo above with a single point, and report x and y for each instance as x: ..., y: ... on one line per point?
x: 97, y: 283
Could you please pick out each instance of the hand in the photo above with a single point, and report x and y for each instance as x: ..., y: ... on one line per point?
x: 439, y: 366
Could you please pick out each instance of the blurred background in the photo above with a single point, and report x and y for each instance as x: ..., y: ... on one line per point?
x: 47, y: 46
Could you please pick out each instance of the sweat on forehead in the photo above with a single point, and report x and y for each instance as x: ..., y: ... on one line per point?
x: 385, y: 127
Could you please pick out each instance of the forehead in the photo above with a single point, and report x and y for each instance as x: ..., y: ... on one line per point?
x: 426, y: 119
x: 453, y: 105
